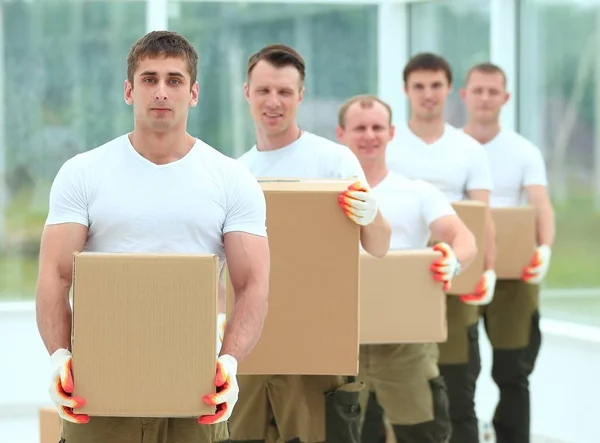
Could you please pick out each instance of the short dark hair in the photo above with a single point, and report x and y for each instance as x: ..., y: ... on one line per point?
x: 427, y: 61
x: 166, y: 44
x: 486, y: 68
x: 278, y: 55
x: 365, y: 101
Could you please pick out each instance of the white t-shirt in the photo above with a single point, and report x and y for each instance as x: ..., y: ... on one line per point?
x: 130, y: 204
x: 515, y: 163
x: 410, y: 206
x: 311, y: 156
x: 454, y: 164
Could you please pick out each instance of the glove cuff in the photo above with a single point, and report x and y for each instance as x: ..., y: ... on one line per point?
x: 59, y: 356
x: 229, y: 361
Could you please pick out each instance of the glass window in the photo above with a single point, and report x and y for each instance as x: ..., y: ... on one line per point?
x: 64, y: 64
x: 559, y: 100
x: 459, y: 31
x: 338, y: 43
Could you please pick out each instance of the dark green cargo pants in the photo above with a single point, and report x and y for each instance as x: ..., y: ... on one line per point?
x: 296, y: 409
x: 512, y: 325
x: 143, y: 430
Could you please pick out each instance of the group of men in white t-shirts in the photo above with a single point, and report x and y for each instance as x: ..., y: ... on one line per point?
x: 135, y: 194
x: 425, y: 392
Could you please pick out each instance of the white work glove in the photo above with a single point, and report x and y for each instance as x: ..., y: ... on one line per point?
x: 61, y: 387
x: 359, y: 204
x: 538, y: 267
x: 447, y: 267
x: 484, y: 291
x: 220, y: 331
x: 227, y: 391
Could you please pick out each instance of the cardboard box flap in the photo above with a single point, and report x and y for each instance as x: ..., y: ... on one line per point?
x: 303, y: 185
x: 144, y: 333
x: 400, y: 302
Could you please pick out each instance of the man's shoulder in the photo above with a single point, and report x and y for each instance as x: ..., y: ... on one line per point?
x: 324, y: 145
x: 515, y: 139
x: 463, y: 140
x: 93, y: 157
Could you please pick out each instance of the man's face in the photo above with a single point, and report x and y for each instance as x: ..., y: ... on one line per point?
x: 367, y: 131
x: 161, y: 94
x: 274, y: 95
x: 484, y: 95
x: 427, y: 92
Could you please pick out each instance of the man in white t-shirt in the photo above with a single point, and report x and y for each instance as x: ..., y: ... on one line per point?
x: 427, y: 148
x: 154, y: 190
x: 301, y: 408
x: 512, y: 318
x: 404, y: 378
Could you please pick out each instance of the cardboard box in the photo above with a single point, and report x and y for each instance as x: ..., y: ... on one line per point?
x: 472, y: 213
x: 144, y: 333
x: 515, y: 240
x: 312, y: 326
x: 50, y: 424
x: 400, y: 302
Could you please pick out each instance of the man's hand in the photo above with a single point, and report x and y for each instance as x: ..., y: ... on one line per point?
x: 61, y: 387
x: 445, y: 268
x: 227, y: 391
x: 538, y: 268
x: 484, y: 291
x: 359, y: 204
x: 220, y: 330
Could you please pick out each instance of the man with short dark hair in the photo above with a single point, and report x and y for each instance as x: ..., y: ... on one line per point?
x: 302, y: 408
x: 512, y: 318
x: 154, y: 190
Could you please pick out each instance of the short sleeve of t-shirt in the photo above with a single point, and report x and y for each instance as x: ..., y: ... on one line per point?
x: 435, y: 204
x: 535, y: 168
x: 480, y: 175
x: 68, y: 201
x: 246, y: 208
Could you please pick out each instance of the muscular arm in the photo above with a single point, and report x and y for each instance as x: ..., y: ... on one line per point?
x: 248, y: 261
x: 53, y: 311
x: 490, y: 231
x: 452, y: 230
x: 375, y: 237
x: 537, y: 196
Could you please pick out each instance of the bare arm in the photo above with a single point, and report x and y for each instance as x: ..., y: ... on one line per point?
x: 490, y: 230
x: 375, y: 237
x: 452, y: 230
x: 538, y: 197
x: 53, y: 311
x: 248, y: 262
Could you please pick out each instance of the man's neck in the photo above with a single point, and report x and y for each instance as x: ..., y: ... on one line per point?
x: 161, y: 148
x: 266, y: 142
x: 427, y: 130
x: 482, y: 132
x: 375, y: 172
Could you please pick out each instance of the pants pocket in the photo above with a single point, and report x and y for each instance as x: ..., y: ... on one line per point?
x: 342, y: 414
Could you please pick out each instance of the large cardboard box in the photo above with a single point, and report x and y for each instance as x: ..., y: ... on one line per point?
x: 312, y: 326
x: 50, y: 424
x: 144, y: 333
x: 472, y: 213
x: 400, y: 302
x: 515, y: 240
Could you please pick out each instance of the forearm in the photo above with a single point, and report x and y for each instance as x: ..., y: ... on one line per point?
x: 464, y: 247
x: 245, y: 323
x: 545, y: 225
x: 375, y: 237
x: 490, y: 241
x: 53, y: 315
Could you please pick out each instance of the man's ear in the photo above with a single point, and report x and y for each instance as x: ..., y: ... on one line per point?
x: 128, y: 92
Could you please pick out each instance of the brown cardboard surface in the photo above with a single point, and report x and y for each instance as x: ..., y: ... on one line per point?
x: 472, y: 213
x: 400, y: 302
x: 144, y: 333
x: 50, y: 424
x: 312, y: 324
x: 515, y: 240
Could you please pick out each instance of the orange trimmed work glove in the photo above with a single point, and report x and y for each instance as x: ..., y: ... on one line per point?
x: 61, y: 387
x: 227, y: 391
x: 446, y: 267
x: 359, y: 204
x: 538, y: 267
x: 484, y: 291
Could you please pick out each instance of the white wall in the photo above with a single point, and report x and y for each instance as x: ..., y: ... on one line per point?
x: 564, y: 385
